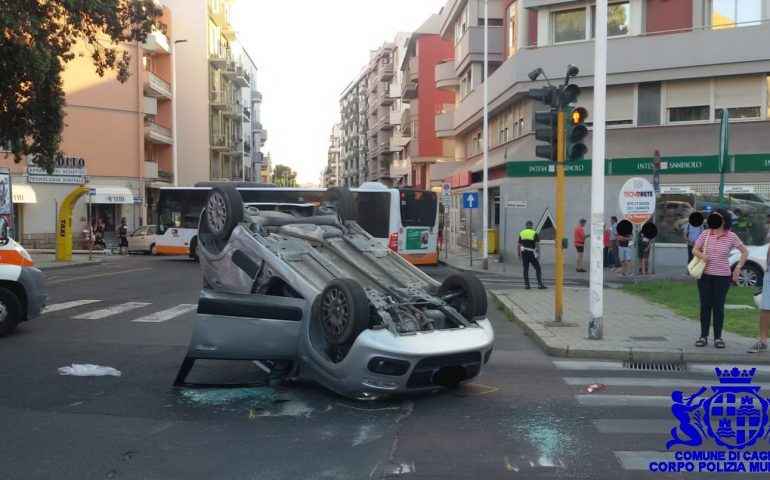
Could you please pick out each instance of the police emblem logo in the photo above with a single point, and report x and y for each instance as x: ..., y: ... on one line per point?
x: 734, y: 416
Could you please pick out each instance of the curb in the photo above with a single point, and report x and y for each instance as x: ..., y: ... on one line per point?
x: 63, y: 266
x: 629, y: 354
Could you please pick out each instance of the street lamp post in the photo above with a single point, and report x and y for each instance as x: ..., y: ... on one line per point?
x: 175, y: 147
x: 485, y: 147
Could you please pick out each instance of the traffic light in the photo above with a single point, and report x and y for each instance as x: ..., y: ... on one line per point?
x: 576, y: 133
x: 546, y: 95
x: 545, y: 130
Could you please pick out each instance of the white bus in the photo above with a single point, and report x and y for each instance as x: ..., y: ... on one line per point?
x: 404, y: 219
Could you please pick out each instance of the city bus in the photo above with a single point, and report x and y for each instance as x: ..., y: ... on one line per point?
x: 403, y: 219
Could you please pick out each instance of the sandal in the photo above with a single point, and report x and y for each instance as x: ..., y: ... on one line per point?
x: 719, y: 343
x: 702, y: 341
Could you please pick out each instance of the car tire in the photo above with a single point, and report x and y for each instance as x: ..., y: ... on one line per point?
x: 341, y: 199
x: 194, y: 249
x: 10, y: 311
x: 153, y: 250
x: 472, y: 299
x: 750, y: 276
x: 343, y: 311
x: 224, y: 209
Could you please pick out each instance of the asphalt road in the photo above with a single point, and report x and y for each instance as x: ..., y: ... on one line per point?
x: 526, y: 417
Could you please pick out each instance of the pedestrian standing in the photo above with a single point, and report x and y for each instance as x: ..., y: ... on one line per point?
x: 529, y: 252
x: 764, y: 307
x: 122, y: 233
x: 614, y: 242
x: 691, y: 234
x: 579, y: 238
x: 714, y: 246
x: 643, y: 252
x: 607, y: 252
x: 624, y: 253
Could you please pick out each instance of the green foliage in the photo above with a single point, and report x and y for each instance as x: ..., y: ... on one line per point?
x: 36, y: 41
x: 682, y: 298
x: 284, y: 176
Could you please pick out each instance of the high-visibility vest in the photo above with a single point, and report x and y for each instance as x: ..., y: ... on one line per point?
x: 527, y: 234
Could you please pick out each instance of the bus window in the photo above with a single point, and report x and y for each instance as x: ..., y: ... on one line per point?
x: 374, y: 212
x: 418, y: 208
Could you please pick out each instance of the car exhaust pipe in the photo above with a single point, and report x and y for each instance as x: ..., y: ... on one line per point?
x: 450, y: 377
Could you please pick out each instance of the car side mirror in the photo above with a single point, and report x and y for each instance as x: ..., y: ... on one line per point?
x: 4, y: 238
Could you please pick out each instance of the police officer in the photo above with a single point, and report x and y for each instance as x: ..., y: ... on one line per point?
x: 529, y: 251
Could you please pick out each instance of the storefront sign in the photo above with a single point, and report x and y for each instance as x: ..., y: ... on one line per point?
x: 752, y: 162
x: 70, y: 172
x: 739, y: 188
x: 637, y: 200
x: 670, y: 165
x: 61, y: 162
x: 547, y: 169
x: 55, y: 179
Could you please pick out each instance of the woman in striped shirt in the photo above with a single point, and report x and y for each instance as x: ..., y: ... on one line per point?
x: 715, y: 281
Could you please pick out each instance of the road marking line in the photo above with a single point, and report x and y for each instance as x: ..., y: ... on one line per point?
x: 601, y: 400
x: 633, y: 425
x: 645, y: 382
x: 121, y: 272
x: 587, y: 365
x: 167, y: 314
x: 641, y: 460
x: 709, y: 368
x: 109, y: 311
x: 65, y: 305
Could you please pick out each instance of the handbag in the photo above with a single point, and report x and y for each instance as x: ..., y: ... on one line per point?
x: 697, y: 265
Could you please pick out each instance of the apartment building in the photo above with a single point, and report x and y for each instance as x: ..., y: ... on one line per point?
x: 428, y: 86
x: 331, y: 175
x: 671, y: 69
x: 217, y: 111
x: 117, y: 140
x: 354, y: 127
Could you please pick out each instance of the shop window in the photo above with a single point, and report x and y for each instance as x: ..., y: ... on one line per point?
x: 735, y: 13
x: 688, y: 114
x: 569, y: 25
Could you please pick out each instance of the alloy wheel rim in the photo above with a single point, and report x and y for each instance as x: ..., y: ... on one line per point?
x: 336, y: 311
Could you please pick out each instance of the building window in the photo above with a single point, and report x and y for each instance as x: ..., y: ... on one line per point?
x: 618, y: 19
x: 513, y: 30
x: 569, y: 25
x: 732, y: 13
x: 688, y: 114
x: 465, y: 84
x: 738, y: 112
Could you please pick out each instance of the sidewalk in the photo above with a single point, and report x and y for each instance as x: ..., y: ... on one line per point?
x: 45, y: 259
x: 633, y: 329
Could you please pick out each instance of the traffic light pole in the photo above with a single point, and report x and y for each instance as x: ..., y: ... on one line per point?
x: 560, y: 155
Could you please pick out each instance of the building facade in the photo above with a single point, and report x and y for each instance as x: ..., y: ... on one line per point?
x: 331, y: 175
x: 671, y: 69
x: 354, y: 126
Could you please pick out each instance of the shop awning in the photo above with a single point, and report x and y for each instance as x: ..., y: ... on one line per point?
x: 115, y: 195
x: 23, y: 194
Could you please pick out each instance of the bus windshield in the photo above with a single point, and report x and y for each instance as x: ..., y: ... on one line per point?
x: 418, y: 208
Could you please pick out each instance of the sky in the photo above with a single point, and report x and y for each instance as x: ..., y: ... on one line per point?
x: 307, y: 52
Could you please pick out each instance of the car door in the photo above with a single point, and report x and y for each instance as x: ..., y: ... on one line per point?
x: 137, y: 241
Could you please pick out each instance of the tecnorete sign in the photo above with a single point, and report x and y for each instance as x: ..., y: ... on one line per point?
x: 637, y: 200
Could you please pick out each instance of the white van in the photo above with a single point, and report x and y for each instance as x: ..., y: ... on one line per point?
x: 22, y: 286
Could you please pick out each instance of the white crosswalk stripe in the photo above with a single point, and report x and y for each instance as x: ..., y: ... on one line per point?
x: 65, y: 305
x: 110, y: 311
x: 167, y: 314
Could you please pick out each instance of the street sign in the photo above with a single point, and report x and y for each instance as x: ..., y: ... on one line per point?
x: 446, y: 195
x: 637, y: 200
x: 516, y: 204
x: 470, y: 199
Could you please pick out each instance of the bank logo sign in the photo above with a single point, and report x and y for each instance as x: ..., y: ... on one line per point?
x: 731, y: 419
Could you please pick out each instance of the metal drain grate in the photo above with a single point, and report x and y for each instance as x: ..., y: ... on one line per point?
x: 657, y: 367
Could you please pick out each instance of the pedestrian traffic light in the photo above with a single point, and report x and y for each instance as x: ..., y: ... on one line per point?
x: 576, y: 133
x: 545, y: 130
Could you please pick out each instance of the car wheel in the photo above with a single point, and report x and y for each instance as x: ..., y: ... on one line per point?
x: 153, y: 250
x: 341, y: 199
x: 194, y: 249
x: 750, y: 276
x: 344, y: 311
x: 10, y: 311
x: 466, y: 294
x: 224, y: 209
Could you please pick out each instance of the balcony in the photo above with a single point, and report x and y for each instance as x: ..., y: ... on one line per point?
x: 246, y: 114
x: 155, y: 133
x: 409, y: 82
x: 219, y: 143
x: 229, y: 32
x: 242, y: 77
x: 219, y: 11
x: 154, y: 86
x: 156, y: 42
x: 256, y: 125
x: 233, y: 111
x: 165, y: 176
x: 219, y: 100
x: 219, y: 58
x: 406, y: 122
x: 151, y: 170
x: 470, y: 48
x: 230, y: 69
x: 383, y: 94
x: 446, y: 76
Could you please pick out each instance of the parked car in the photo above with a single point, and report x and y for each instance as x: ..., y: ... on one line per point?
x: 142, y: 240
x: 308, y: 293
x: 672, y: 211
x: 753, y: 270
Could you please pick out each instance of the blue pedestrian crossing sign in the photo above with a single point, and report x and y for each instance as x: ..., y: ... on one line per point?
x: 470, y: 199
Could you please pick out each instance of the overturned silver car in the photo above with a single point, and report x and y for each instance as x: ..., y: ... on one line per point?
x: 307, y: 293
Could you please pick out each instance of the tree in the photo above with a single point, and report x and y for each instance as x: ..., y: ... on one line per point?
x: 284, y: 176
x: 36, y: 41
